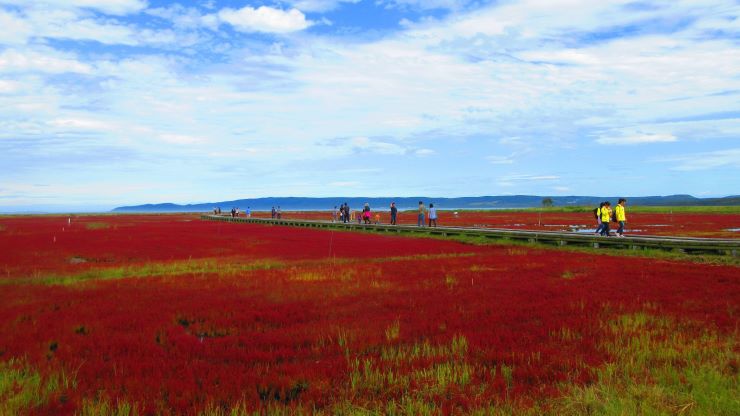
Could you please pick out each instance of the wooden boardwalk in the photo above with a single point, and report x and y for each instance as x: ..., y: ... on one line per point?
x: 689, y: 245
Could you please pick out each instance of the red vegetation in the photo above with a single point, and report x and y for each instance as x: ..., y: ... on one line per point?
x: 41, y: 245
x: 288, y: 334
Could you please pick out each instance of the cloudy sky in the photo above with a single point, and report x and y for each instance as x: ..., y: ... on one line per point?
x: 114, y: 102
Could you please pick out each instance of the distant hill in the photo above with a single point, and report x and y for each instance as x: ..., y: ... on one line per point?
x: 477, y: 202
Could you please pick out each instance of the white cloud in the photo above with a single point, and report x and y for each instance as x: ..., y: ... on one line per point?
x: 69, y: 24
x: 81, y: 124
x: 319, y: 5
x: 7, y: 87
x: 186, y: 17
x: 264, y: 19
x: 427, y: 4
x: 377, y: 146
x: 640, y: 138
x: 113, y: 7
x: 500, y: 160
x: 424, y: 152
x: 32, y: 194
x: 15, y: 30
x: 706, y: 160
x: 505, y: 80
x: 38, y: 24
x: 12, y: 60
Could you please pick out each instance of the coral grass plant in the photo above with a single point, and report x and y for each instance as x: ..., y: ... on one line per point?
x: 171, y: 315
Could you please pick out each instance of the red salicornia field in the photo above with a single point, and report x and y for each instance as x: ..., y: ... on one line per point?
x: 168, y: 314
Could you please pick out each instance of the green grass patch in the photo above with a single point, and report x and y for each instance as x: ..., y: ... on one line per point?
x: 97, y: 226
x: 104, y: 407
x: 23, y: 389
x: 222, y: 267
x: 434, y: 369
x: 661, y: 367
x: 174, y: 268
x: 393, y: 331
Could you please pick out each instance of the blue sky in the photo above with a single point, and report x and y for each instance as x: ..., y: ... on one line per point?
x: 116, y: 102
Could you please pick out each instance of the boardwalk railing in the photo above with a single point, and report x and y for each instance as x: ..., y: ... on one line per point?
x: 687, y: 245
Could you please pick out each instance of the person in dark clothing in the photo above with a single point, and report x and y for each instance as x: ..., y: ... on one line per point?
x: 599, y: 225
x: 366, y: 214
x: 394, y: 213
x: 273, y: 213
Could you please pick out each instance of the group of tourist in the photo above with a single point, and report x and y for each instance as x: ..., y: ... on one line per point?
x: 276, y: 214
x: 428, y: 216
x: 605, y: 215
x: 345, y: 214
x: 235, y: 212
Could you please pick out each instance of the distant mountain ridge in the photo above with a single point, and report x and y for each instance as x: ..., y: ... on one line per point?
x: 476, y: 202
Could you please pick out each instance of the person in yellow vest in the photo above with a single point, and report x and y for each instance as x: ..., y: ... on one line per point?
x: 621, y: 216
x: 606, y: 217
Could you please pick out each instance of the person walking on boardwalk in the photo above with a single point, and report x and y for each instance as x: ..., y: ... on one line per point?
x: 422, y: 211
x: 394, y: 213
x: 432, y: 215
x: 621, y: 216
x: 279, y: 212
x: 606, y: 216
x: 366, y: 215
x: 273, y: 213
x: 597, y: 213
